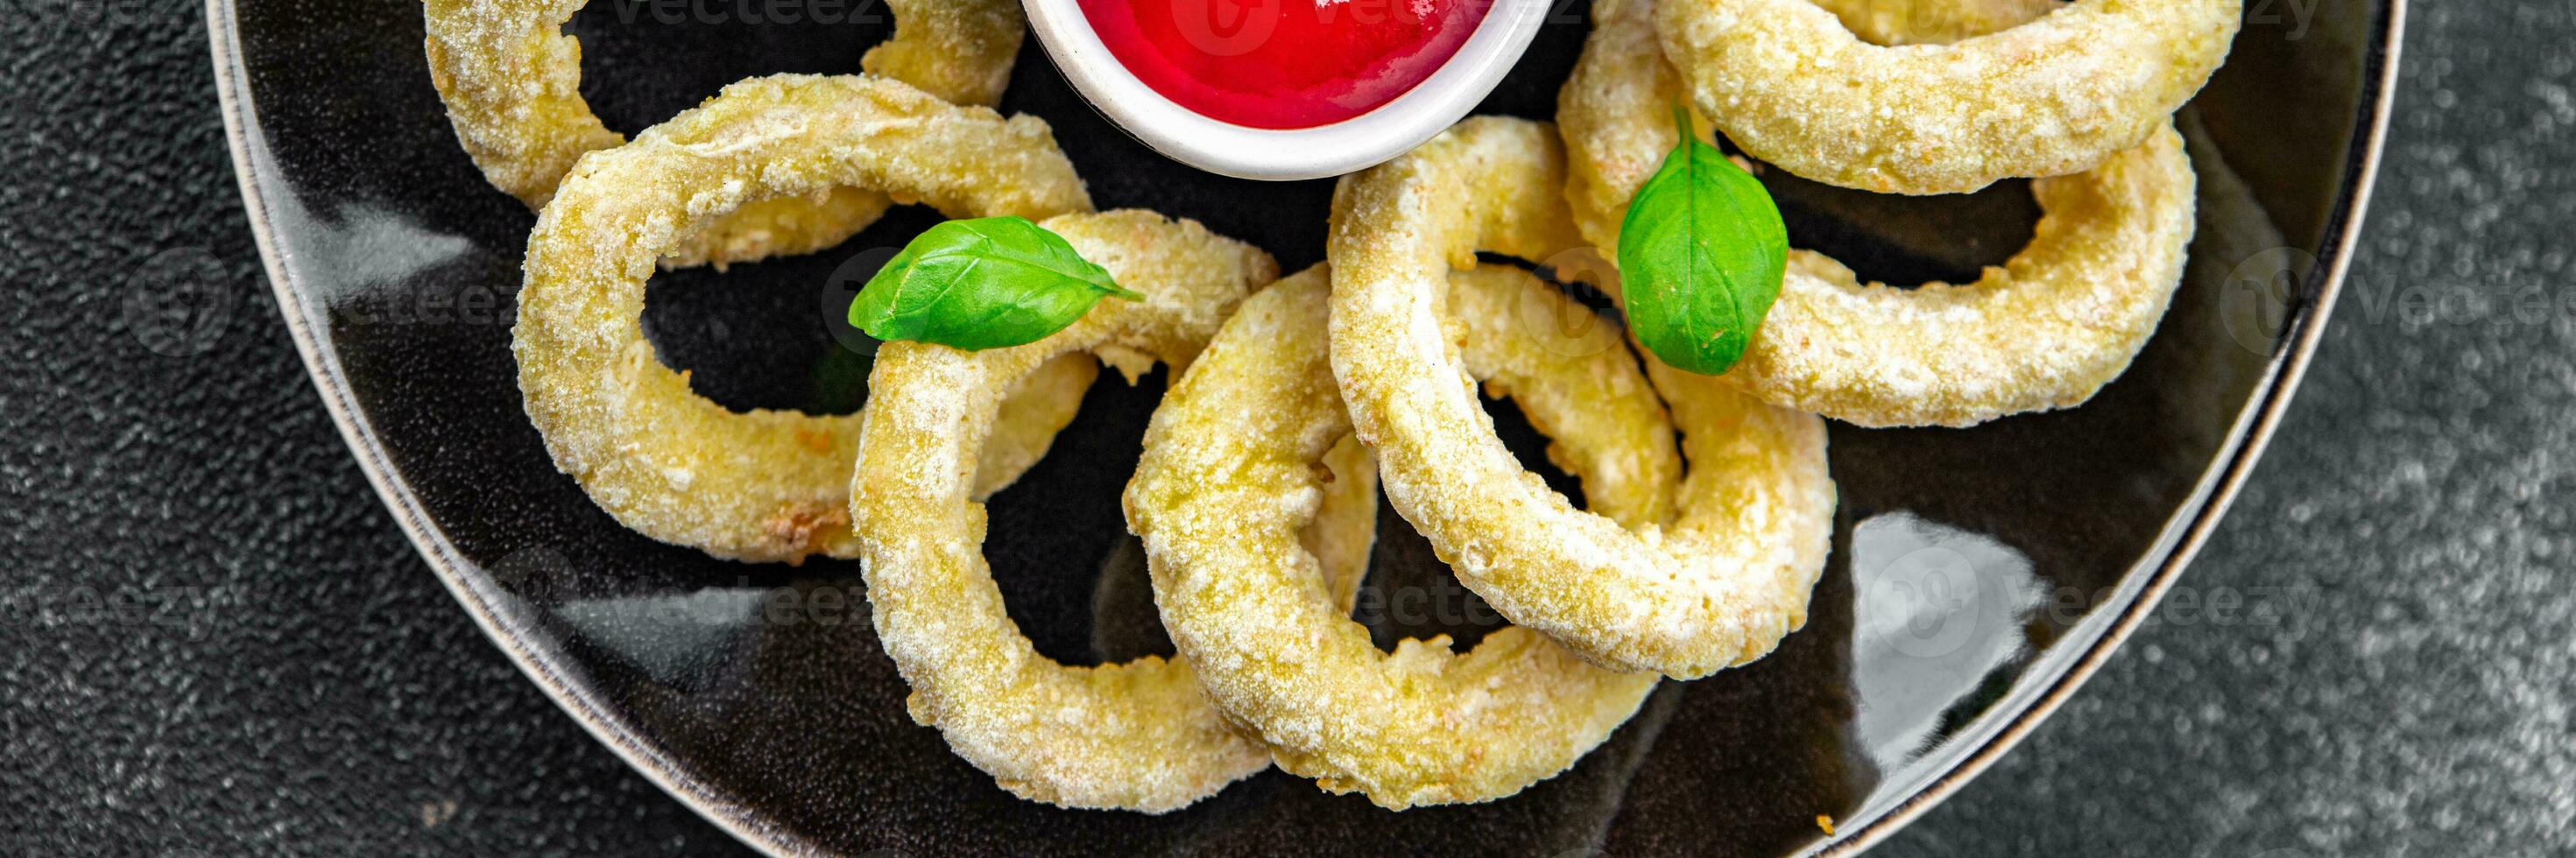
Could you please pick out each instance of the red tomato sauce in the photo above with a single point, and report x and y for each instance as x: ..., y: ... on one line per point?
x: 1283, y: 63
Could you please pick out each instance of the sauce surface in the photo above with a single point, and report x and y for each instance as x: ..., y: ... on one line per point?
x: 1283, y: 63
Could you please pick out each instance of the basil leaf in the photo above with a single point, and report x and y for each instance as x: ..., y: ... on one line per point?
x: 1701, y: 254
x: 981, y: 284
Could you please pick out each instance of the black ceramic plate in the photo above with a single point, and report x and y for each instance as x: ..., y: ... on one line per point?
x: 1977, y: 575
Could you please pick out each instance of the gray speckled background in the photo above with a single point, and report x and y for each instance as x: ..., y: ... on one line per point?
x: 214, y: 642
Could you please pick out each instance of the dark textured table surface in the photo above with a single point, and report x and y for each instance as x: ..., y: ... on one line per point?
x: 217, y: 643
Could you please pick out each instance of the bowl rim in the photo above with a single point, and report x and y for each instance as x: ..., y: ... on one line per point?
x: 1285, y: 154
x: 1962, y: 757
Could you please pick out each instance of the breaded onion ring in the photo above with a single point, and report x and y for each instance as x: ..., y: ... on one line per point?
x: 758, y: 485
x: 1791, y: 85
x: 1716, y: 587
x: 1231, y: 472
x: 1921, y: 22
x: 1345, y: 525
x: 1138, y: 735
x: 2046, y: 330
x: 511, y: 80
x: 959, y: 50
x: 1615, y: 110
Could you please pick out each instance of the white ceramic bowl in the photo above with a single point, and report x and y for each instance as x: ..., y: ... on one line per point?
x: 1296, y: 153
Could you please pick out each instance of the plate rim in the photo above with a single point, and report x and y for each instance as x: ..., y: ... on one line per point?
x: 1986, y: 738
x: 2251, y: 436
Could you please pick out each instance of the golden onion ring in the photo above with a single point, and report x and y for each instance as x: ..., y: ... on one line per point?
x: 1231, y: 472
x: 1345, y: 525
x: 1718, y: 586
x: 1575, y: 383
x: 1138, y: 735
x: 511, y: 80
x: 758, y: 485
x: 1788, y: 82
x: 1615, y: 109
x: 2046, y: 330
x: 1616, y: 114
x: 959, y: 50
x: 1922, y: 22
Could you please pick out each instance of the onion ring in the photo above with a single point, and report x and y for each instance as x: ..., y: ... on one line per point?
x: 2046, y: 330
x: 758, y: 485
x: 1615, y: 108
x: 1138, y: 735
x: 1927, y: 22
x: 1345, y: 525
x: 1615, y: 112
x: 959, y: 50
x: 1792, y: 86
x: 1219, y: 498
x: 1718, y: 586
x: 511, y: 81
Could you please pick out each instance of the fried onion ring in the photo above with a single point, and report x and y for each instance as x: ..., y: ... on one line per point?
x: 1231, y: 472
x: 1718, y: 586
x: 1345, y: 524
x: 1138, y: 735
x: 1789, y: 83
x: 1615, y: 108
x: 2046, y: 330
x: 758, y: 485
x: 959, y: 50
x: 1924, y: 22
x: 1615, y: 112
x: 511, y: 81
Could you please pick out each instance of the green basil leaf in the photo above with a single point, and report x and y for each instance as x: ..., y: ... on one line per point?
x: 981, y: 284
x: 1701, y: 254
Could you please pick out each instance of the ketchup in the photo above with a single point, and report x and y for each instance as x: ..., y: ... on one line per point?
x: 1283, y: 63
